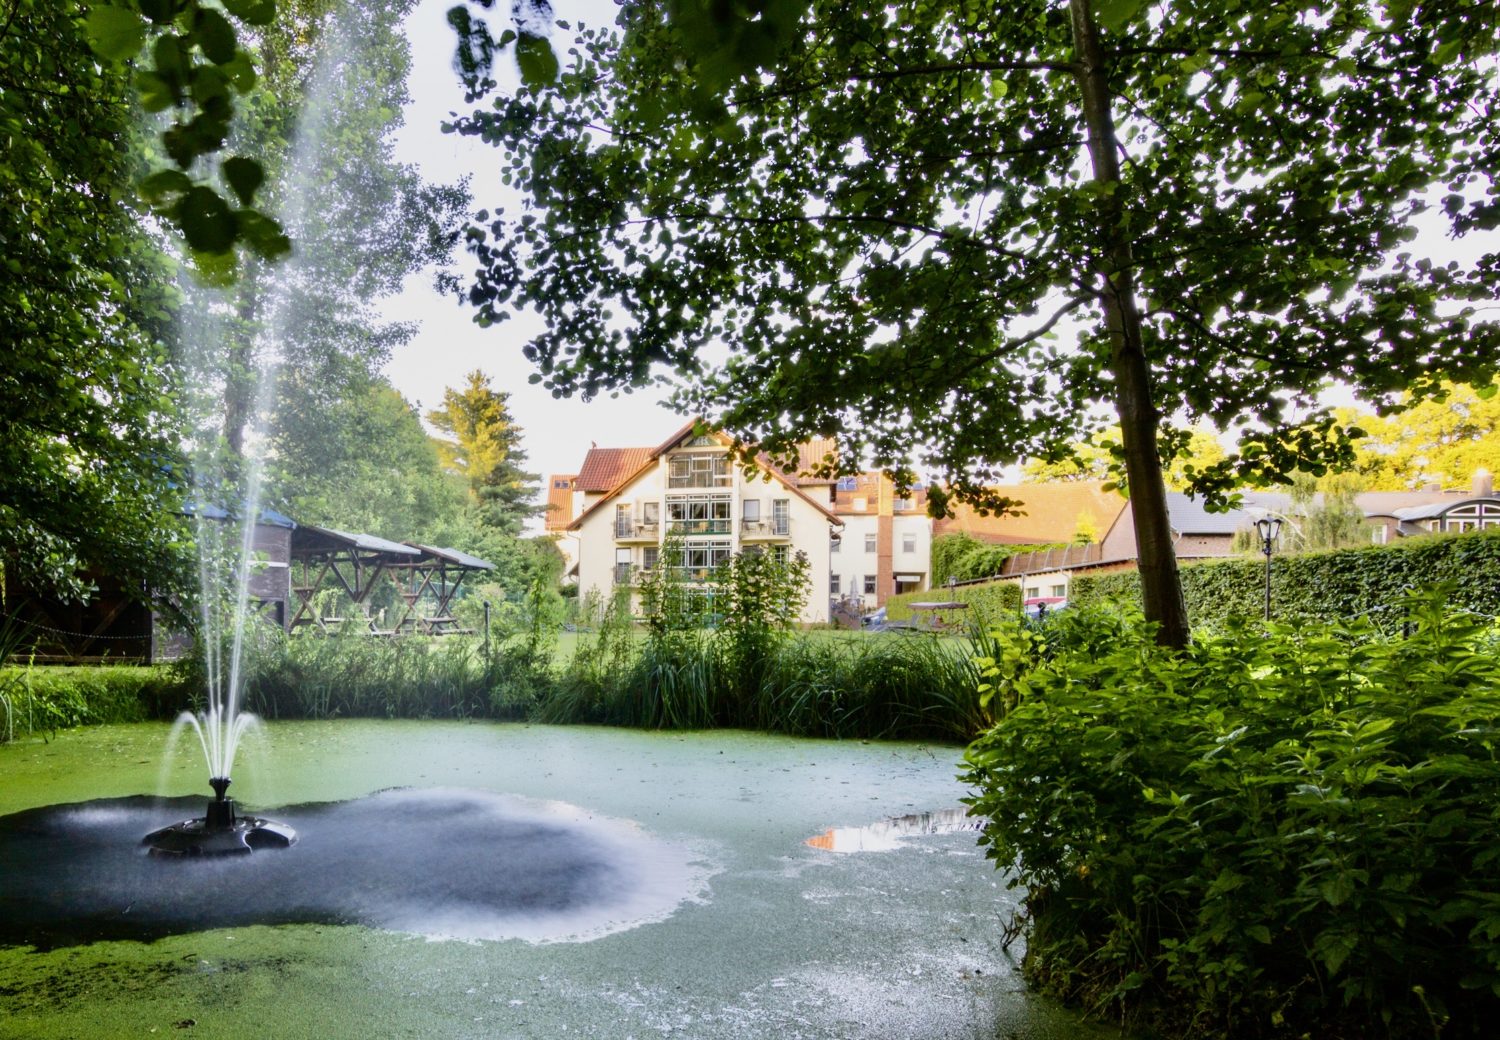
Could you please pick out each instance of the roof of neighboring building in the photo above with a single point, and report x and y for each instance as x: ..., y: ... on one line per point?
x: 1434, y: 509
x: 604, y: 469
x: 1047, y: 513
x: 560, y: 500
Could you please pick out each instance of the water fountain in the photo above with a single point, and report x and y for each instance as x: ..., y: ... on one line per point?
x: 219, y: 832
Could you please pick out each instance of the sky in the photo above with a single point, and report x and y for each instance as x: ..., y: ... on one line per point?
x: 555, y: 433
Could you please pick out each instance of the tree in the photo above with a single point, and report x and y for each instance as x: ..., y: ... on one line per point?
x: 484, y: 447
x: 1443, y: 439
x: 321, y: 120
x: 886, y: 212
x: 90, y: 476
x: 371, y: 467
x: 1100, y: 458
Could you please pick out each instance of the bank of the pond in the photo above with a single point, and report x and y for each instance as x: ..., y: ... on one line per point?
x: 787, y: 940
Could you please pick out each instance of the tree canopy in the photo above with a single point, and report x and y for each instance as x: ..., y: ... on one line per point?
x: 1443, y: 439
x: 90, y: 476
x: 955, y: 228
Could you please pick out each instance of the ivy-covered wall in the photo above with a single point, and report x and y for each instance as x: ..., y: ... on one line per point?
x: 968, y: 559
x: 1324, y: 586
x: 991, y: 599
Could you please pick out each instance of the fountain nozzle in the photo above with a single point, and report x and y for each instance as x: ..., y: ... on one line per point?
x: 220, y: 784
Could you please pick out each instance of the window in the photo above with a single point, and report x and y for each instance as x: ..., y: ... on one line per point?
x: 848, y: 483
x: 698, y: 471
x: 901, y: 505
x: 869, y: 584
x: 623, y: 527
x: 908, y: 543
x: 702, y: 441
x: 750, y: 510
x: 869, y: 543
x: 699, y: 514
x: 650, y: 513
x: 1059, y: 591
x: 622, y: 566
x: 1033, y: 591
x: 861, y: 503
x: 649, y: 557
x: 700, y: 558
x: 781, y: 516
x: 1377, y: 534
x: 833, y: 584
x: 781, y: 554
x: 562, y: 485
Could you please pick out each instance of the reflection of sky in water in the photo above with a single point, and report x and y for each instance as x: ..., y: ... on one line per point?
x: 442, y: 863
x: 891, y: 834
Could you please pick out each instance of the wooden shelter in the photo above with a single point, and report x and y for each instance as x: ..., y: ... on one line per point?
x: 418, y: 582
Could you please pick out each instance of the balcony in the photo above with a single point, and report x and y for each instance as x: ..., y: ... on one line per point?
x: 628, y: 531
x: 689, y: 528
x: 777, y: 528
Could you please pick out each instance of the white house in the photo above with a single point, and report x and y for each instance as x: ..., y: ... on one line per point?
x: 625, y: 501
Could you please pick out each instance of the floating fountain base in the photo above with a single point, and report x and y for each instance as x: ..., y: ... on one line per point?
x: 219, y: 832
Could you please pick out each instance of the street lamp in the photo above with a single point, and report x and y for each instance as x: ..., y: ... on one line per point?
x: 1268, y: 527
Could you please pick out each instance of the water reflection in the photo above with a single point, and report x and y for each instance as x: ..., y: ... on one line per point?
x: 890, y: 834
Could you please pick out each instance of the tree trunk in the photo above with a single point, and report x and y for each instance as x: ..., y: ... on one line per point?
x: 1161, y: 591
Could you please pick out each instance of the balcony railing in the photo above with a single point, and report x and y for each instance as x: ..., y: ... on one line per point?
x: 629, y: 530
x: 699, y: 527
x: 776, y: 527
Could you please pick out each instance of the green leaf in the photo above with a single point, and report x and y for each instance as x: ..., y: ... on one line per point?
x: 536, y: 61
x: 262, y: 234
x: 244, y: 176
x: 1114, y: 14
x: 115, y: 33
x: 241, y: 72
x: 163, y: 183
x: 215, y: 36
x: 252, y: 12
x: 206, y: 220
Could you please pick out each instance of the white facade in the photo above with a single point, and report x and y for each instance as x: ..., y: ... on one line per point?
x: 856, y: 569
x: 695, y: 490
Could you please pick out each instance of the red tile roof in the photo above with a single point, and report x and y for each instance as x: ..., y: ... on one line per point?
x: 1048, y: 513
x: 604, y: 468
x: 560, y: 500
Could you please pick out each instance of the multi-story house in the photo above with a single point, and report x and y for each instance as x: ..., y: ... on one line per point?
x: 625, y: 502
x: 886, y: 546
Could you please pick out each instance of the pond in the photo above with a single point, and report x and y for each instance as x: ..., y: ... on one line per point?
x: 598, y: 882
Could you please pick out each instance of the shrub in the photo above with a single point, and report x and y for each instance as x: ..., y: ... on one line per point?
x: 1290, y: 832
x: 1326, y: 586
x: 46, y: 699
x: 987, y: 603
x: 966, y: 558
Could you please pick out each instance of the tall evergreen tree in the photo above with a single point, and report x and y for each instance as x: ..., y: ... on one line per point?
x: 483, y: 446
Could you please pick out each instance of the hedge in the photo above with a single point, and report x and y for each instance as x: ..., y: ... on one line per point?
x: 966, y: 558
x: 1326, y: 586
x: 991, y: 598
x: 46, y: 699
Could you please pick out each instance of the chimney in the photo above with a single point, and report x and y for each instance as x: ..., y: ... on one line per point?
x: 1484, y: 483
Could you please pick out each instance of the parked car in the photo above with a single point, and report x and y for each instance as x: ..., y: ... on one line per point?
x: 1041, y: 606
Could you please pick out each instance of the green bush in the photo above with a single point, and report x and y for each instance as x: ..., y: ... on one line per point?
x: 1283, y: 833
x: 1326, y: 586
x: 48, y: 698
x: 990, y: 601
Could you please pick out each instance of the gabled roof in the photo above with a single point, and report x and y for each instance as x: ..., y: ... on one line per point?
x: 1436, y: 509
x: 604, y: 469
x: 1048, y: 513
x: 653, y: 454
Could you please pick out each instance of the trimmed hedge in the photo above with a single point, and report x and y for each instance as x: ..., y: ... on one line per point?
x: 992, y: 599
x: 46, y: 699
x: 1326, y: 586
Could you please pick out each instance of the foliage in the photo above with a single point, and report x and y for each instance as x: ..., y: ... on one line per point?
x: 990, y: 600
x: 1277, y: 833
x: 1444, y: 439
x: 1326, y: 587
x: 197, y: 69
x: 483, y: 445
x: 371, y: 467
x: 1250, y: 174
x: 42, y: 700
x: 322, y: 118
x: 966, y: 558
x: 90, y: 477
x: 1101, y: 457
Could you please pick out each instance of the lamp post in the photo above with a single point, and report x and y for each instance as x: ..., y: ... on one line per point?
x: 1268, y: 527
